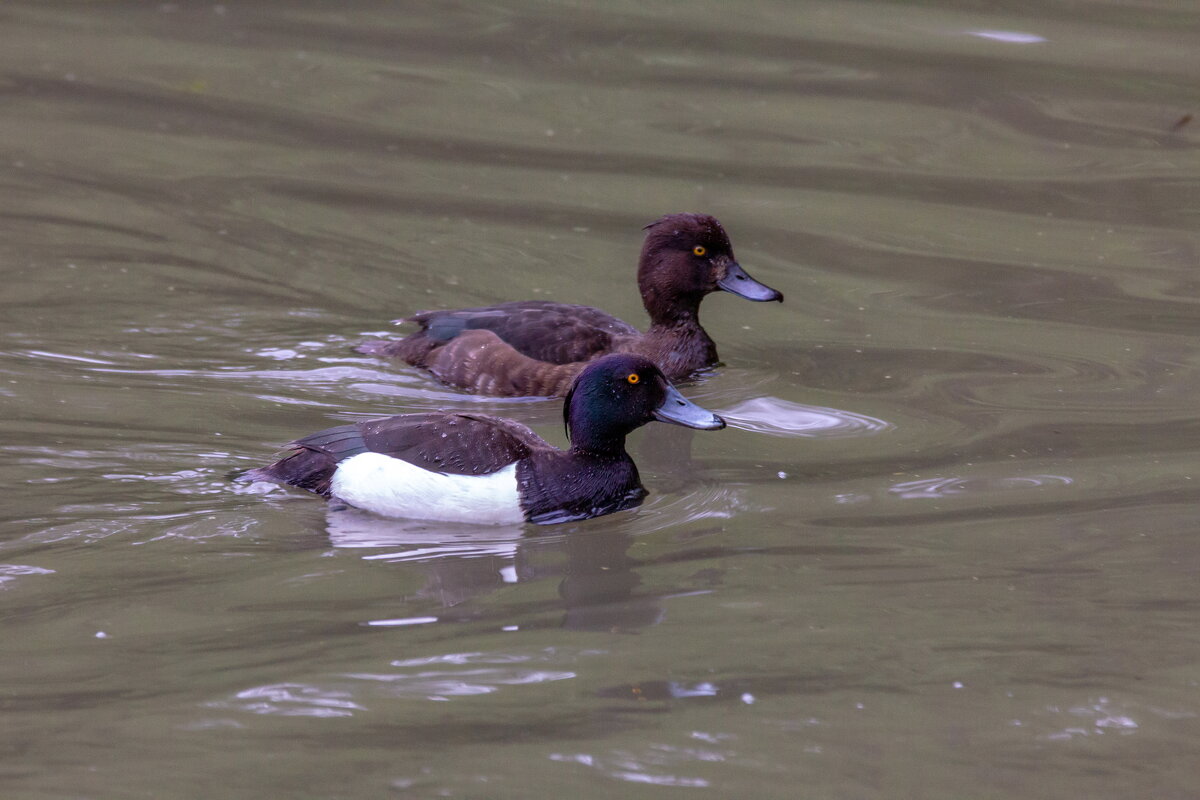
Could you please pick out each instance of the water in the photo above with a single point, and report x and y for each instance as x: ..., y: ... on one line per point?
x: 947, y: 548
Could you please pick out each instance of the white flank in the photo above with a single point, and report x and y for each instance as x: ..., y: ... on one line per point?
x: 396, y: 488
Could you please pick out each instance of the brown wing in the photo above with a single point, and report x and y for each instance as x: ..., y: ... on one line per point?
x: 556, y: 333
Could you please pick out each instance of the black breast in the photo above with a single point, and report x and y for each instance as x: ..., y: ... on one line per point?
x: 558, y: 486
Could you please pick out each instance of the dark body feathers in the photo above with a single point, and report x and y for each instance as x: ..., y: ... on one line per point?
x: 561, y: 487
x: 538, y: 347
x: 454, y: 444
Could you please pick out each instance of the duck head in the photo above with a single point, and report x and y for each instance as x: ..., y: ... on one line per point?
x: 616, y: 394
x: 685, y: 257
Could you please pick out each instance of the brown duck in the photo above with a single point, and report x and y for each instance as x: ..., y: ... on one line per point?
x: 537, y: 347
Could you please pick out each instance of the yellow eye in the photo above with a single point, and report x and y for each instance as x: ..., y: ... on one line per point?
x: 699, y: 249
x: 633, y: 377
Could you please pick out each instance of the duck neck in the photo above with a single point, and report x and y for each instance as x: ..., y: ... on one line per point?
x: 675, y: 339
x: 594, y: 434
x: 672, y: 311
x: 600, y: 445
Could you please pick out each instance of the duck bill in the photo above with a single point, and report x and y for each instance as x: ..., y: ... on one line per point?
x: 678, y: 410
x: 736, y: 281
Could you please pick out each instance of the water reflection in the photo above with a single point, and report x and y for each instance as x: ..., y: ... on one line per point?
x: 597, y: 583
x: 417, y: 540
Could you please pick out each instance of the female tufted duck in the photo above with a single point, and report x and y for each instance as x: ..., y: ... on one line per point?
x: 474, y: 468
x: 537, y: 347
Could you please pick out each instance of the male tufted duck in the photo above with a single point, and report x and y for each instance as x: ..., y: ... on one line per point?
x: 537, y: 347
x: 475, y: 468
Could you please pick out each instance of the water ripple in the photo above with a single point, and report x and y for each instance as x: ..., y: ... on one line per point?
x: 442, y: 677
x: 10, y: 572
x: 776, y: 417
x: 293, y: 700
x: 654, y: 766
x: 1094, y: 717
x: 932, y: 488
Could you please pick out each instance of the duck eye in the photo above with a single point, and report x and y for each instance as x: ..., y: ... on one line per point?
x: 699, y: 249
x: 633, y: 377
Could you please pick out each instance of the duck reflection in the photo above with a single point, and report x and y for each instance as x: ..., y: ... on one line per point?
x: 597, y: 581
x: 597, y: 588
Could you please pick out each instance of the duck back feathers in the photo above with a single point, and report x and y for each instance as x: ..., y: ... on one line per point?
x: 454, y: 444
x: 556, y: 333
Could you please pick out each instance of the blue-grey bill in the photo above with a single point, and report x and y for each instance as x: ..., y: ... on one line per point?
x: 678, y: 410
x: 736, y: 281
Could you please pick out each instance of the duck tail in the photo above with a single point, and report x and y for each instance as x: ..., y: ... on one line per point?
x: 413, y: 349
x: 416, y: 347
x: 303, y: 468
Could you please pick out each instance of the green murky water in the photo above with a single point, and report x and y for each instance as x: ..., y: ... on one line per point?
x: 949, y: 549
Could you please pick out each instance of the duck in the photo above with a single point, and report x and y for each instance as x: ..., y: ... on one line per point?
x: 464, y: 467
x: 538, y: 347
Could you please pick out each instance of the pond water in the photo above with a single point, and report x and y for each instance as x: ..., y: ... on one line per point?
x: 948, y: 547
